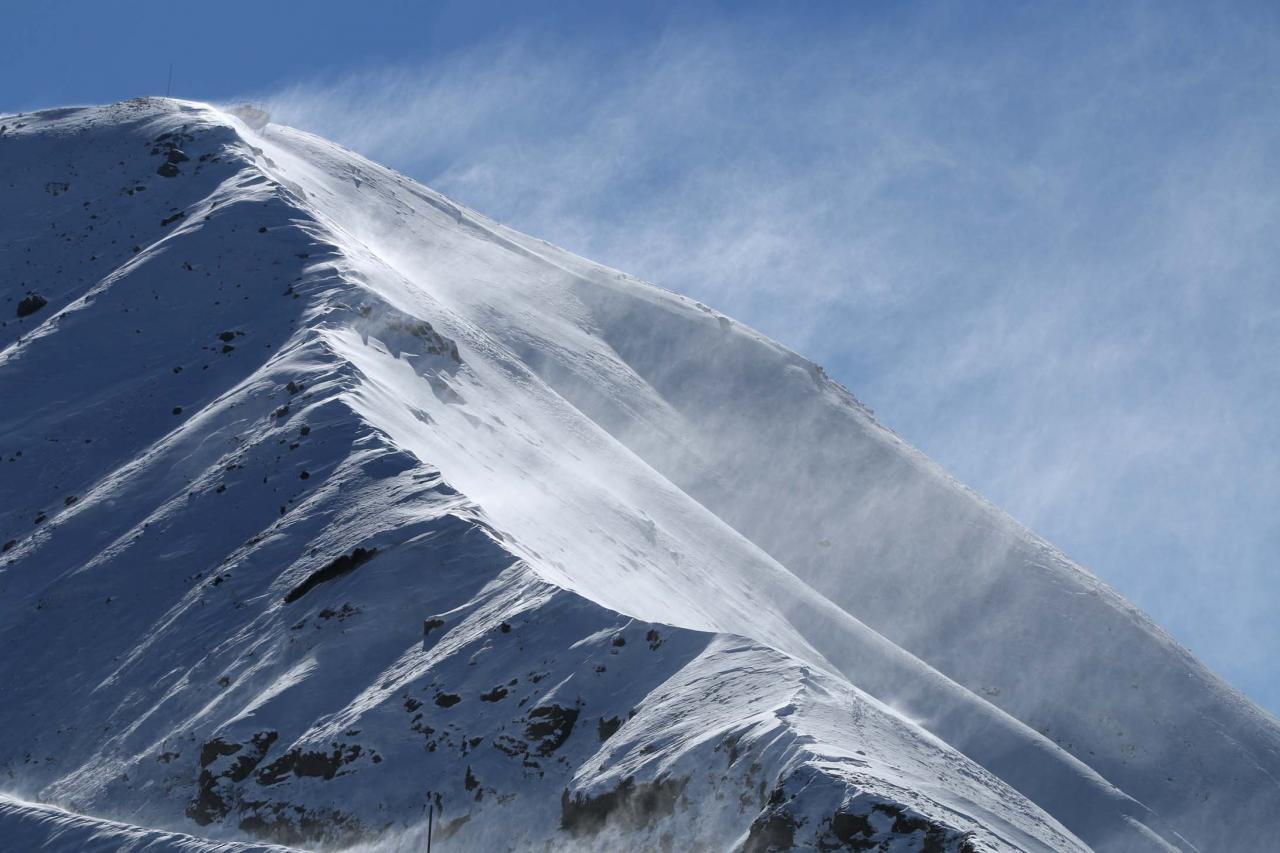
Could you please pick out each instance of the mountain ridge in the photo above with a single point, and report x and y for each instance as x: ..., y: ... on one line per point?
x: 489, y: 397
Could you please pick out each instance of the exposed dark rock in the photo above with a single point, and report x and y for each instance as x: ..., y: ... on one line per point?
x: 852, y: 828
x: 209, y: 805
x: 215, y: 797
x: 447, y: 700
x: 628, y: 807
x: 852, y: 831
x: 343, y: 565
x: 509, y: 746
x: 168, y: 170
x: 935, y: 836
x: 551, y: 725
x: 731, y: 741
x: 30, y: 304
x: 494, y: 695
x: 608, y: 727
x: 210, y: 751
x: 295, y: 826
x: 246, y: 762
x: 774, y: 830
x: 310, y: 763
x: 341, y: 614
x: 437, y: 344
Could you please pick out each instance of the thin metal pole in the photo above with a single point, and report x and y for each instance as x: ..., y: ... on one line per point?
x: 431, y: 813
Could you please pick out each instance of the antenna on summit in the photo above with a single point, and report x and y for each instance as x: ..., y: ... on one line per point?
x: 169, y: 83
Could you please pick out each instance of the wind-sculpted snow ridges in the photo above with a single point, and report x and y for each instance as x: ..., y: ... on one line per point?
x: 327, y: 500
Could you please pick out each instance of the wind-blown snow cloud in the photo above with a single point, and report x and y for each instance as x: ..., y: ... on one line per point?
x: 1043, y: 250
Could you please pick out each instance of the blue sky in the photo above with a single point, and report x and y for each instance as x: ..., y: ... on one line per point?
x: 1042, y: 243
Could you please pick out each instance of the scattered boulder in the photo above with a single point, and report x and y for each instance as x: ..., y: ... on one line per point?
x: 30, y: 304
x: 494, y: 695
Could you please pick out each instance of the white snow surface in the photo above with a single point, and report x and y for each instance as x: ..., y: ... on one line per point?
x: 32, y: 826
x: 326, y: 499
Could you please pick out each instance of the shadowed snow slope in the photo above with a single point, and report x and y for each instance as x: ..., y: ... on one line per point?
x: 325, y: 499
x: 29, y: 826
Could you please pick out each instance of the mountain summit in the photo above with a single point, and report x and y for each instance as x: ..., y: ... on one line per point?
x: 328, y: 504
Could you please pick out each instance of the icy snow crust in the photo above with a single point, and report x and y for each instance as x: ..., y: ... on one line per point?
x: 325, y: 498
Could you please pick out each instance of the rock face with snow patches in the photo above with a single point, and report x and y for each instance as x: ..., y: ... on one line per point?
x: 326, y: 501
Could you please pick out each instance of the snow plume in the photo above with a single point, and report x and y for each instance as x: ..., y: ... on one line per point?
x: 1038, y: 247
x: 498, y: 526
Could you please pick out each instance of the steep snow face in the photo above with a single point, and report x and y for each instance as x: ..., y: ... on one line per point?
x: 325, y: 499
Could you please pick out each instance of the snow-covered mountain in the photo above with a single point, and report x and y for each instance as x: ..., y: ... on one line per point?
x: 325, y: 500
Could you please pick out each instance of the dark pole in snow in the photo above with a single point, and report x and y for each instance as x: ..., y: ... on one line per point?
x: 431, y: 813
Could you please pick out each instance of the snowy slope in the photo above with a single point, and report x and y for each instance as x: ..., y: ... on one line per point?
x: 324, y: 498
x: 30, y: 827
